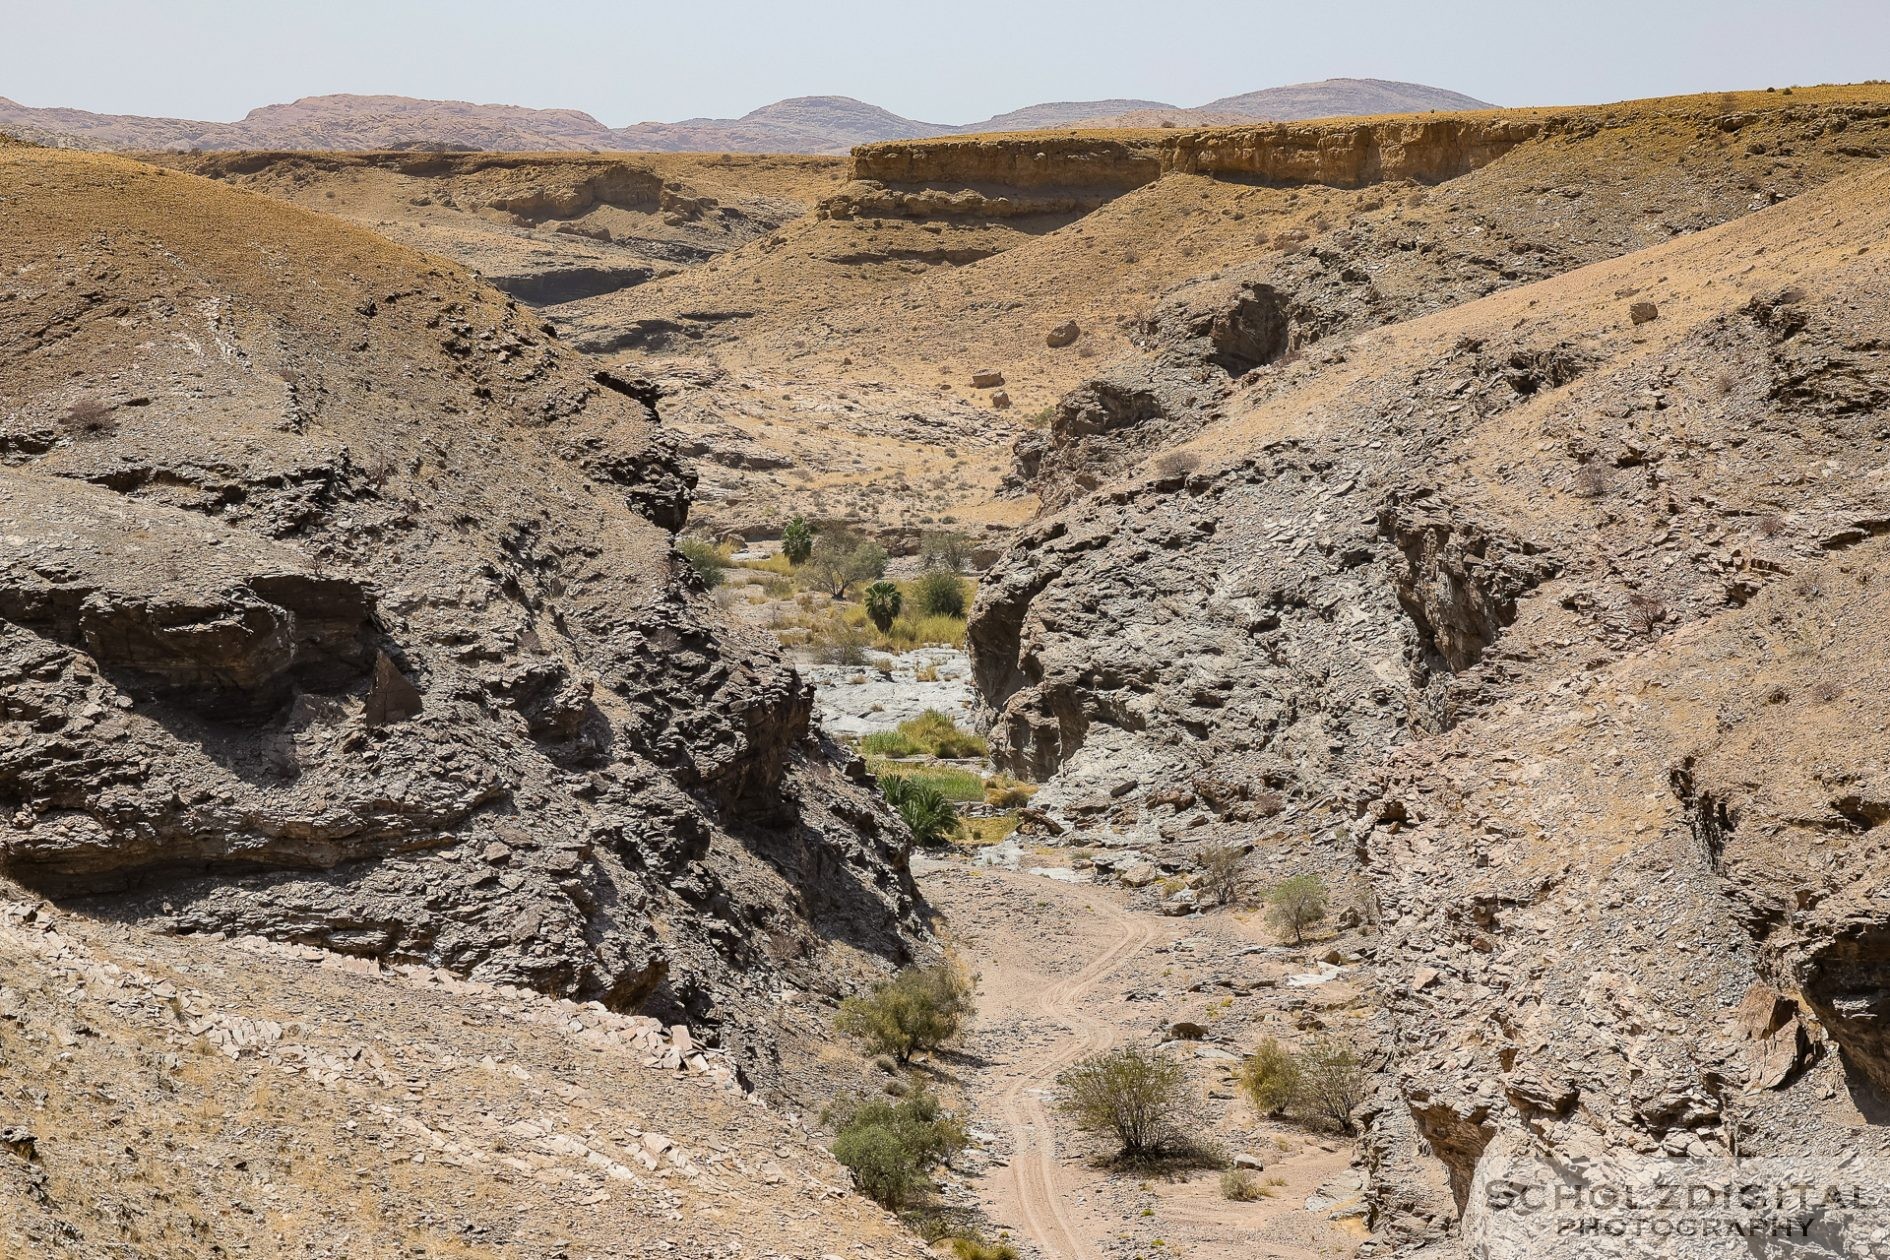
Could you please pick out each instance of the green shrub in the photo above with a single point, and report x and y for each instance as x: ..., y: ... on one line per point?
x: 1140, y: 1099
x: 941, y: 737
x: 1004, y: 792
x: 966, y: 1247
x: 1221, y: 871
x: 1332, y: 1082
x: 889, y: 744
x: 882, y: 601
x: 890, y: 1147
x: 940, y: 593
x: 914, y: 629
x: 705, y: 558
x: 797, y: 541
x: 927, y: 814
x: 1296, y: 904
x: 1321, y: 1085
x: 1270, y: 1077
x: 950, y: 782
x: 920, y: 1009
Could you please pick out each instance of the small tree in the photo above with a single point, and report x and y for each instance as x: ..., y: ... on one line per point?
x: 1296, y: 904
x: 841, y: 557
x: 1139, y: 1099
x: 1332, y: 1082
x: 1270, y: 1077
x: 1221, y: 871
x: 797, y: 541
x: 930, y: 818
x: 920, y: 1009
x: 940, y: 593
x: 882, y: 602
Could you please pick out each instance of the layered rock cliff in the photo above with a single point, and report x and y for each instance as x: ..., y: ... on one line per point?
x: 338, y: 606
x: 1550, y: 615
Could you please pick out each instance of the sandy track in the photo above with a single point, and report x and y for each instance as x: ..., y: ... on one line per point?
x: 1031, y: 1184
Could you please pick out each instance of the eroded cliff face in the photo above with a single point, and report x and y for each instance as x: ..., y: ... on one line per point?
x: 342, y: 610
x: 1558, y: 621
x: 1005, y: 177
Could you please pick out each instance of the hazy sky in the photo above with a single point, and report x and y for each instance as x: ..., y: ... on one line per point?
x: 955, y: 61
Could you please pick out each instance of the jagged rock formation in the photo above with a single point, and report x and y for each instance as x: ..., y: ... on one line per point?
x: 338, y: 606
x: 1555, y: 618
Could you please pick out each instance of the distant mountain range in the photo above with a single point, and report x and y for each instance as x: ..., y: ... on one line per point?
x: 803, y: 124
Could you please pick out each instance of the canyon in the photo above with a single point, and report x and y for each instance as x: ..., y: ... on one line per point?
x: 1484, y: 513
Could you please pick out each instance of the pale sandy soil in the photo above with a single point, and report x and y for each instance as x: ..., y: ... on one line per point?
x: 1067, y: 970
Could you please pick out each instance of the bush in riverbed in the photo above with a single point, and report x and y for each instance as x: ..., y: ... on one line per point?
x: 1004, y: 792
x: 1139, y: 1098
x: 940, y: 593
x: 1270, y: 1077
x: 1333, y: 1083
x: 891, y: 1147
x: 1296, y: 904
x: 952, y: 783
x: 1243, y: 1185
x: 837, y: 641
x: 1321, y: 1085
x: 931, y: 734
x: 841, y: 557
x: 1222, y: 869
x: 948, y: 551
x: 797, y: 541
x: 914, y: 629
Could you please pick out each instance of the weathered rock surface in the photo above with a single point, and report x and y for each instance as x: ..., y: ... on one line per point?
x: 1578, y: 619
x: 338, y: 606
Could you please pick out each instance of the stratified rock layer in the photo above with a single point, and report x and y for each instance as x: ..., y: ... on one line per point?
x: 1562, y: 628
x: 338, y: 605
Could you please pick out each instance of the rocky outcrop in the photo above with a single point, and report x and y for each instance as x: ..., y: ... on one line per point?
x: 1542, y: 600
x: 1008, y: 176
x: 352, y: 619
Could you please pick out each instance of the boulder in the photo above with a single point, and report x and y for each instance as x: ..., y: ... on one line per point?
x: 1062, y: 335
x: 1139, y: 875
x: 986, y: 380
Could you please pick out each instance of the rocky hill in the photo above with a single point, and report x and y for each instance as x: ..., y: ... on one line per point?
x: 339, y: 607
x: 1537, y: 612
x: 806, y: 124
x: 802, y: 124
x: 1330, y: 98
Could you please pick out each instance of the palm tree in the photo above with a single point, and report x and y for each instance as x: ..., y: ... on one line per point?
x: 882, y: 604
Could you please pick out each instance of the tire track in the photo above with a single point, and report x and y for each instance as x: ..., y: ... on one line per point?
x: 1033, y: 1170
